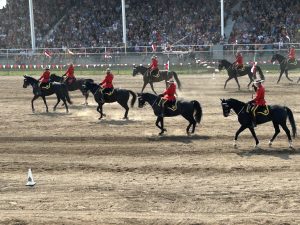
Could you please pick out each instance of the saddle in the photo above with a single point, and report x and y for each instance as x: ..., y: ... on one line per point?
x: 293, y: 62
x: 156, y: 75
x: 262, y: 110
x: 171, y: 105
x: 46, y: 86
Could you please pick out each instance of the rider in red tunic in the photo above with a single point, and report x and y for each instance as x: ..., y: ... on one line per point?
x: 168, y: 96
x: 259, y: 100
x: 292, y: 54
x: 106, y: 84
x: 44, y: 79
x: 154, y: 66
x: 70, y: 74
x: 238, y: 63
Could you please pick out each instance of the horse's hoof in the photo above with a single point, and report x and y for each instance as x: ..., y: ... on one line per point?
x: 161, y: 133
x: 125, y: 118
x: 234, y: 144
x: 270, y: 143
x: 291, y: 145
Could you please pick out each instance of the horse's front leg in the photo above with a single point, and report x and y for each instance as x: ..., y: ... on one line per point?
x: 281, y: 72
x: 287, y: 75
x: 242, y: 128
x: 144, y: 85
x: 237, y: 81
x: 44, y: 99
x: 227, y: 81
x: 161, y: 126
x: 100, y: 110
x: 32, y: 100
x: 151, y: 84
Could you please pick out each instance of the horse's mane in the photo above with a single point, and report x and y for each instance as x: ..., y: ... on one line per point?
x: 236, y: 101
x: 30, y: 78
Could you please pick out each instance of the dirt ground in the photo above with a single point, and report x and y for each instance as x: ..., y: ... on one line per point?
x: 121, y: 172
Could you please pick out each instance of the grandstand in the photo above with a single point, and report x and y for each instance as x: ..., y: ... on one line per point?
x: 90, y: 31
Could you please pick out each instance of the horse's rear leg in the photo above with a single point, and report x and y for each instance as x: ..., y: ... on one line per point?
x: 125, y: 106
x: 288, y: 134
x: 58, y: 100
x: 66, y: 105
x: 277, y: 131
x: 287, y: 75
x: 254, y: 136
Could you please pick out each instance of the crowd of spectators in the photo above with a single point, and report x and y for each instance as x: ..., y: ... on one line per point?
x: 15, y: 21
x: 93, y: 23
x: 261, y: 22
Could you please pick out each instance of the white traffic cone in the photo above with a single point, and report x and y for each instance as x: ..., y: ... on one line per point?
x: 30, y: 181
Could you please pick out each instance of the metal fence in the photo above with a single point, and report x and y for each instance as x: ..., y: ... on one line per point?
x: 179, y: 54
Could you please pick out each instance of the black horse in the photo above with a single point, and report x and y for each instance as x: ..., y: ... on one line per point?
x: 118, y: 95
x: 231, y: 71
x: 191, y: 111
x: 59, y: 89
x: 163, y: 75
x: 285, y: 66
x: 76, y: 85
x: 277, y: 114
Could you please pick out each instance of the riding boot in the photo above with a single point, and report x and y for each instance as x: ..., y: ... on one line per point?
x: 254, y: 121
x: 162, y: 109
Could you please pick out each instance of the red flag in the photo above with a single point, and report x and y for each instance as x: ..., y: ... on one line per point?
x: 70, y: 52
x: 47, y: 53
x: 153, y: 46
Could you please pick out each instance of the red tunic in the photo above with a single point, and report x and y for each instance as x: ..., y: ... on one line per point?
x: 107, y: 82
x: 169, y: 93
x: 292, y: 53
x: 70, y: 72
x: 45, y: 77
x: 239, y: 60
x: 260, y: 96
x: 154, y: 64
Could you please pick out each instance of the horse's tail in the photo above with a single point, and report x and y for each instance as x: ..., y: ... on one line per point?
x: 262, y: 76
x: 66, y: 93
x: 133, y: 98
x: 198, y: 114
x: 177, y: 80
x: 292, y: 121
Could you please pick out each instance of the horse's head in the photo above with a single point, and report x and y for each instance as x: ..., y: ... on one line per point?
x: 86, y: 85
x: 226, y: 107
x: 135, y: 71
x: 221, y: 66
x: 274, y: 58
x: 141, y: 100
x: 26, y: 81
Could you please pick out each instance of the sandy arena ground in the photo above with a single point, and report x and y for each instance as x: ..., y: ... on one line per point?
x: 121, y: 172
